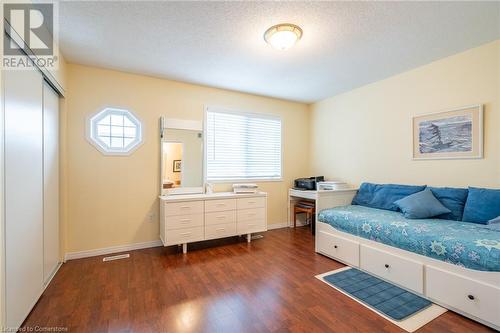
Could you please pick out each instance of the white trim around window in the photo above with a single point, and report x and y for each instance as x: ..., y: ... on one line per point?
x: 114, y: 131
x: 256, y: 168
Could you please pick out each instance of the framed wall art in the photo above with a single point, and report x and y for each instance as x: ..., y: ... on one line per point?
x: 453, y: 134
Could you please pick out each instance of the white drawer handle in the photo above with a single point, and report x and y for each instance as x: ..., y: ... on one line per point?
x: 185, y: 234
x: 220, y: 229
x: 251, y: 225
x: 184, y: 221
x: 220, y: 204
x: 251, y: 214
x: 185, y: 207
x: 220, y: 217
x: 251, y: 202
x: 471, y: 297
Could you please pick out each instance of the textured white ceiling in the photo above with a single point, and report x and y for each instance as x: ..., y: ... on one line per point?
x: 345, y: 44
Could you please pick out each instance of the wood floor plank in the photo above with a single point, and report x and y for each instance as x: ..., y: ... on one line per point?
x: 218, y: 286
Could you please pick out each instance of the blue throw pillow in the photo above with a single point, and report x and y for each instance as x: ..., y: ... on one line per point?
x: 382, y: 196
x: 421, y: 205
x: 482, y: 205
x: 453, y: 199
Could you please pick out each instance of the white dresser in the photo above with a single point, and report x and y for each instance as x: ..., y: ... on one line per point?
x: 195, y: 217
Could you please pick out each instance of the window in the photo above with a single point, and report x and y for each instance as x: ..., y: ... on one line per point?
x: 242, y: 146
x: 115, y: 131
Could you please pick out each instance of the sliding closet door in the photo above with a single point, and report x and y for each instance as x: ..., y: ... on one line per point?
x: 50, y: 182
x: 23, y: 193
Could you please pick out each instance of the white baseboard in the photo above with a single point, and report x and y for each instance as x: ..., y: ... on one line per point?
x: 277, y: 226
x: 284, y: 225
x: 52, y: 275
x: 138, y: 246
x: 109, y: 250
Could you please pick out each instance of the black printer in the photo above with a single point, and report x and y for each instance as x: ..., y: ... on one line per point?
x: 307, y: 183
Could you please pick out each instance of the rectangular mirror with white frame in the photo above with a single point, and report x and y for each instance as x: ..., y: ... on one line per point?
x: 181, y: 156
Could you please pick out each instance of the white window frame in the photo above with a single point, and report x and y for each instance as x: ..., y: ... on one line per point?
x: 92, y: 122
x: 222, y: 109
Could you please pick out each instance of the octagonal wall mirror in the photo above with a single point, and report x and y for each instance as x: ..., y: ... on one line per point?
x: 181, y: 156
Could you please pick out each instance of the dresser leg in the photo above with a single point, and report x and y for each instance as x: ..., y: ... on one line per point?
x: 249, y: 238
x: 184, y: 248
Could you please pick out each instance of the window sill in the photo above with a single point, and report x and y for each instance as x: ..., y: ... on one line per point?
x: 237, y: 181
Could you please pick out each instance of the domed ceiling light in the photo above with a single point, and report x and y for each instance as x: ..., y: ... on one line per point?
x: 283, y: 36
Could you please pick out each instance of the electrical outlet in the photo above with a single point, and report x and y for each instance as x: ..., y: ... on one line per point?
x: 151, y: 217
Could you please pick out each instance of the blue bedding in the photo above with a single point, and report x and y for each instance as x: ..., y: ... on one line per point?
x: 470, y: 245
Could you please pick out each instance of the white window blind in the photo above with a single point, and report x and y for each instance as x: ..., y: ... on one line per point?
x: 242, y: 146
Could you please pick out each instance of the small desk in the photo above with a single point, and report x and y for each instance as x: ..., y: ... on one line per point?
x: 316, y: 196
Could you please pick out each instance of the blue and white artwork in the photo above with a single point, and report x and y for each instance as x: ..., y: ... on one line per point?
x: 447, y: 135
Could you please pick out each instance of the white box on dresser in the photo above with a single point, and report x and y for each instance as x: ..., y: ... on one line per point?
x: 474, y: 294
x: 195, y: 217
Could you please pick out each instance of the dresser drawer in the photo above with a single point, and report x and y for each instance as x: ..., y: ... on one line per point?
x: 247, y: 227
x: 251, y: 214
x: 337, y: 247
x: 228, y: 216
x: 183, y: 208
x: 220, y: 205
x: 220, y: 230
x: 183, y: 221
x: 402, y: 271
x: 473, y: 297
x: 253, y: 202
x: 180, y: 236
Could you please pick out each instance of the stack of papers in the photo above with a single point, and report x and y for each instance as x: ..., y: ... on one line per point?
x: 245, y: 188
x: 332, y: 185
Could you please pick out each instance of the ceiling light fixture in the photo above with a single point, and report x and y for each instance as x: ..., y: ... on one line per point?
x: 283, y: 36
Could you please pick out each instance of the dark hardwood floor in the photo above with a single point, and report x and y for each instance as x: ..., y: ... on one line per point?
x: 221, y: 286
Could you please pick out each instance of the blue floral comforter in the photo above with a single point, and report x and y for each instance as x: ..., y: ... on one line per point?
x: 470, y: 245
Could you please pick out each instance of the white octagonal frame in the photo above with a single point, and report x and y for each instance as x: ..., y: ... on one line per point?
x: 102, y: 146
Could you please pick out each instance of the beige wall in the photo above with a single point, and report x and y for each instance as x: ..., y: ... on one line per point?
x: 361, y: 135
x: 365, y: 134
x: 63, y: 77
x: 108, y: 198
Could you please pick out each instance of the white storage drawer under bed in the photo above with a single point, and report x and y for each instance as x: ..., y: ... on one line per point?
x: 402, y: 271
x: 464, y: 294
x: 341, y: 248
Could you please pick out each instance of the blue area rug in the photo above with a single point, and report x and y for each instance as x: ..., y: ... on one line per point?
x: 385, y: 297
